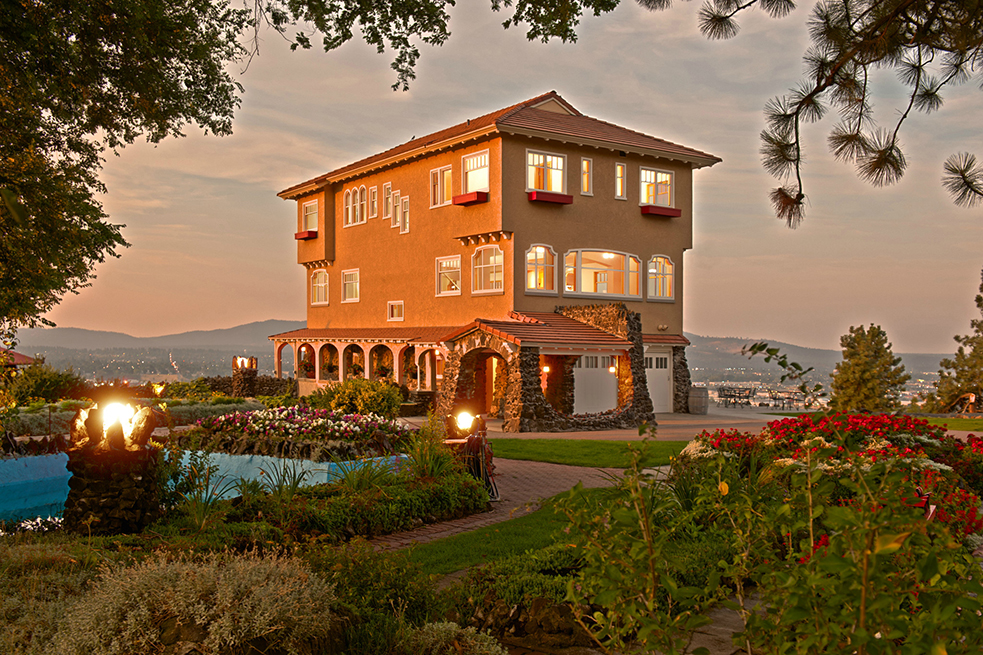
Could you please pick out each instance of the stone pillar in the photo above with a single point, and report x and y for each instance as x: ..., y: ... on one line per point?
x: 111, y: 491
x: 113, y: 488
x: 681, y: 381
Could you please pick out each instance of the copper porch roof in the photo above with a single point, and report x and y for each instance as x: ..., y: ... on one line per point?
x: 523, y: 118
x: 545, y: 329
x: 404, y: 334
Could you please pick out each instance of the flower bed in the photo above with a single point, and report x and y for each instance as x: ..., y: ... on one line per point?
x: 296, y: 432
x: 951, y: 470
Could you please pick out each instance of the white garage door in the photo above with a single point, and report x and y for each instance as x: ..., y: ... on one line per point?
x: 595, y: 389
x: 658, y: 376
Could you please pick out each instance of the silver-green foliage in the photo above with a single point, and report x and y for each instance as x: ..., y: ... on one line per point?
x: 451, y: 639
x: 234, y: 599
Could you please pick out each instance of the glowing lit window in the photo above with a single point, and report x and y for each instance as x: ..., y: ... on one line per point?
x: 394, y: 310
x: 449, y: 276
x: 319, y: 288
x: 619, y: 182
x: 660, y: 278
x: 310, y: 216
x: 544, y: 172
x: 540, y: 269
x: 349, y: 286
x: 476, y: 172
x: 602, y: 273
x: 488, y: 270
x: 586, y: 177
x: 656, y: 188
x: 441, y: 188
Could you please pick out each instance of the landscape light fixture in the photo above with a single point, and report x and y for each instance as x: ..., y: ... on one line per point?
x: 464, y: 422
x: 611, y: 369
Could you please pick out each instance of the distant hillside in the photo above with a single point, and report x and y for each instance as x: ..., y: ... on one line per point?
x: 251, y: 336
x: 718, y: 354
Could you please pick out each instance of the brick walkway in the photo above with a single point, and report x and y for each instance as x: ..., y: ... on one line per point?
x: 521, y: 485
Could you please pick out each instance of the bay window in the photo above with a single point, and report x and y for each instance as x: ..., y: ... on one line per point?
x: 602, y: 273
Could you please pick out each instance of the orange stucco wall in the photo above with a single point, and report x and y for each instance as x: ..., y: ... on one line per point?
x: 394, y: 266
x: 598, y: 221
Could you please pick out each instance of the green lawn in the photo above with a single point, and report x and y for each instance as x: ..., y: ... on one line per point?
x: 585, y: 452
x: 530, y: 531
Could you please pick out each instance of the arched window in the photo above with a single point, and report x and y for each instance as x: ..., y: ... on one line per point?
x: 488, y: 270
x: 362, y: 213
x: 541, y: 269
x: 319, y: 287
x: 602, y: 273
x: 660, y: 279
x: 348, y: 208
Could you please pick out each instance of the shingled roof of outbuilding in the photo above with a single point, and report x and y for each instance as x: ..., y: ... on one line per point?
x: 521, y: 118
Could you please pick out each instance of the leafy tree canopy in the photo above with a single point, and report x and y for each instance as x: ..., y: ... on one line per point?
x: 870, y: 376
x: 78, y: 77
x: 963, y: 374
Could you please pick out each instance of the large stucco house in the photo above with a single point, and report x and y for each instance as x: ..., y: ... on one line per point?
x: 526, y: 264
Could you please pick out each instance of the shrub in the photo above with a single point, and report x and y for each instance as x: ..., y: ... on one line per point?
x: 361, y: 396
x: 228, y: 604
x: 382, y: 591
x: 451, y: 639
x: 43, y: 381
x: 322, y: 397
x: 195, y: 390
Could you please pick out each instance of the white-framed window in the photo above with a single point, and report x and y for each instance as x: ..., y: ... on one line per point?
x: 404, y: 216
x: 319, y: 287
x: 394, y: 310
x: 397, y: 209
x: 475, y: 172
x: 541, y: 269
x: 602, y: 273
x: 586, y: 177
x: 310, y: 216
x: 488, y: 270
x: 620, y: 182
x: 373, y: 202
x: 347, y: 210
x: 387, y: 204
x: 449, y: 276
x: 441, y: 187
x: 350, y: 286
x: 655, y: 187
x: 545, y: 172
x: 362, y: 202
x: 661, y: 285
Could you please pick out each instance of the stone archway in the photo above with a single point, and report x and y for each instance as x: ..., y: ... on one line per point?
x: 354, y: 361
x: 305, y: 361
x: 466, y: 376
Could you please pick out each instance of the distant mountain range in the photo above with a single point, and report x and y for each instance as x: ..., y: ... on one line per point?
x: 249, y: 337
x: 709, y: 358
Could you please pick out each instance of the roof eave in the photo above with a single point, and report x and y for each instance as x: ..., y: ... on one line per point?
x: 330, y: 178
x: 694, y: 160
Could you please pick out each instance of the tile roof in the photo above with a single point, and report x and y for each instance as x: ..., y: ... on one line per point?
x: 592, y: 129
x: 543, y: 329
x: 13, y: 358
x: 401, y: 334
x: 672, y: 339
x: 525, y: 117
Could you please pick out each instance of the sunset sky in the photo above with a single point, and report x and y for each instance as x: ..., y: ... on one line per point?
x: 213, y: 247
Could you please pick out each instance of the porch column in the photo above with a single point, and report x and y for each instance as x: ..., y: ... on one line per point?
x: 340, y: 347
